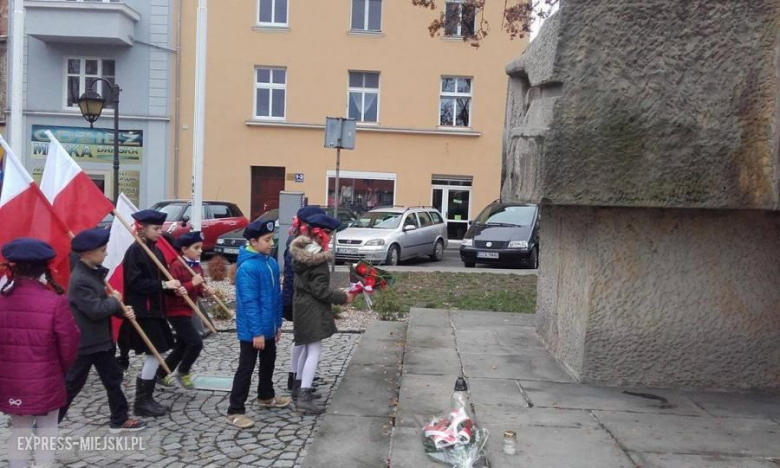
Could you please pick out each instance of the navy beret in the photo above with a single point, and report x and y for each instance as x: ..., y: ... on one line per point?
x: 90, y: 239
x: 152, y: 217
x: 258, y: 228
x: 308, y: 211
x: 27, y: 250
x: 324, y: 221
x: 186, y: 240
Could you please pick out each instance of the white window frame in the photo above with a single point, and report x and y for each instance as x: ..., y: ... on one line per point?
x: 363, y: 92
x: 455, y: 94
x: 365, y: 18
x: 272, y: 24
x: 83, y: 79
x: 271, y: 87
x: 459, y: 32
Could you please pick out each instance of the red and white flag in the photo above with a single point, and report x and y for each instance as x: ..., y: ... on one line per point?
x: 121, y: 239
x: 25, y: 212
x: 76, y: 199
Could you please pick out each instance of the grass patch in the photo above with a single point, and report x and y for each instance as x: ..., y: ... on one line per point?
x: 464, y: 291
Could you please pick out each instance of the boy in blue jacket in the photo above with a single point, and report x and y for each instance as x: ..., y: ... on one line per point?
x: 258, y: 322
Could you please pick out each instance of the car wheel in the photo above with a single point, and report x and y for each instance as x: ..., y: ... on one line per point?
x: 393, y: 255
x: 533, y: 259
x: 469, y: 264
x: 438, y: 251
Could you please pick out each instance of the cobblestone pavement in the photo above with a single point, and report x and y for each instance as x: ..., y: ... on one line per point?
x: 195, y: 433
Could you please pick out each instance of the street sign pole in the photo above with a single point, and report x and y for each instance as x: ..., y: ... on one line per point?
x: 336, y: 203
x: 339, y: 134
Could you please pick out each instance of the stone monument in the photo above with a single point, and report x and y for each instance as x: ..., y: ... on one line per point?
x: 648, y: 132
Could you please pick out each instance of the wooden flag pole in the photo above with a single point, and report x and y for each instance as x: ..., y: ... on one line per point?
x: 140, y: 331
x: 164, y: 270
x: 192, y: 272
x: 134, y: 323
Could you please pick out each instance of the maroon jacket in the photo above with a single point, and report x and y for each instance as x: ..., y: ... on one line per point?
x: 176, y: 306
x: 39, y: 341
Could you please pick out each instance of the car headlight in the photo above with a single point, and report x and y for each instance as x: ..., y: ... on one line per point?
x: 375, y: 242
x: 518, y: 245
x: 220, y: 241
x: 467, y: 242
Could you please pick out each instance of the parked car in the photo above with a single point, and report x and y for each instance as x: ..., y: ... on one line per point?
x: 346, y: 216
x: 503, y: 234
x: 389, y: 235
x: 218, y: 217
x: 229, y: 243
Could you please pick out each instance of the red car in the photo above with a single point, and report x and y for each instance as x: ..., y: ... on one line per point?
x: 217, y: 218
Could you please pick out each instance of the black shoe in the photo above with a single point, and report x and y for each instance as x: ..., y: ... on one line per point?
x: 306, y: 404
x: 290, y: 380
x: 131, y: 425
x: 144, y: 401
x: 296, y: 391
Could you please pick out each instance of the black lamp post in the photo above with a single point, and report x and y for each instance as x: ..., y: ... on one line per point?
x: 91, y: 104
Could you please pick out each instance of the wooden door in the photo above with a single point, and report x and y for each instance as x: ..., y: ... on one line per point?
x: 267, y: 182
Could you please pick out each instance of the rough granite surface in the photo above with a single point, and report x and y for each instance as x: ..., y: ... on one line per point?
x: 659, y: 103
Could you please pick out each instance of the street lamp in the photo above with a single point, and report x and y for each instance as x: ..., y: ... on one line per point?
x: 91, y: 104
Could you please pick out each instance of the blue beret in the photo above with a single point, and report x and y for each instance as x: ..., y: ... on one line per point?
x: 152, y: 217
x: 90, y: 239
x: 324, y: 221
x: 258, y: 228
x: 308, y: 211
x: 186, y: 240
x: 26, y: 250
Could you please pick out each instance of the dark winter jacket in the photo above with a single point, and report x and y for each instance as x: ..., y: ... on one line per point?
x: 92, y: 308
x: 313, y: 298
x: 39, y: 341
x: 289, y: 276
x: 143, y: 282
x: 258, y: 296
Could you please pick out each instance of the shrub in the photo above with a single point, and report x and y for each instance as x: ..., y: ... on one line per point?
x: 231, y: 273
x: 218, y: 268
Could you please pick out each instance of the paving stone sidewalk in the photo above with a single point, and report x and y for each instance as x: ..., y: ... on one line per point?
x: 195, y: 433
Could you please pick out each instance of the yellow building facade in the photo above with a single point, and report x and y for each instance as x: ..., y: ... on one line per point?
x: 430, y: 111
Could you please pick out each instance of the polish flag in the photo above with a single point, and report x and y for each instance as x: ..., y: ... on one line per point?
x: 121, y: 239
x: 25, y: 212
x: 76, y: 199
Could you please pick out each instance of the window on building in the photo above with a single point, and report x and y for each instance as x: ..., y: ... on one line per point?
x: 272, y: 13
x: 455, y: 102
x: 363, y: 96
x: 459, y: 19
x: 81, y: 73
x: 270, y: 93
x: 361, y: 194
x: 366, y: 15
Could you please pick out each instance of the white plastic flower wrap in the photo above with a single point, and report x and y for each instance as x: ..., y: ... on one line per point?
x: 455, y: 440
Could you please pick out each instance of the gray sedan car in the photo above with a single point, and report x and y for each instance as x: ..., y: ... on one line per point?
x: 389, y: 235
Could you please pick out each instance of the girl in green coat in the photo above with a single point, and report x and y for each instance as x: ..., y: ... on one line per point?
x: 313, y: 298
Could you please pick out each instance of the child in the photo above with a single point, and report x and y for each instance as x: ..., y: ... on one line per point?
x: 92, y: 308
x: 144, y: 292
x: 38, y: 343
x: 299, y: 228
x: 312, y: 304
x: 188, y: 341
x: 258, y: 322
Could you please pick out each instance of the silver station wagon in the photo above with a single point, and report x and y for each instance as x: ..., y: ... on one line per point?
x: 391, y: 234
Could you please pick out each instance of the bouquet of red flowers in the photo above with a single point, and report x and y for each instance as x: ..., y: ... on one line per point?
x: 366, y: 278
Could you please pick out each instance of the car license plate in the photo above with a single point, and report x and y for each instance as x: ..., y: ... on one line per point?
x: 347, y: 251
x: 493, y: 255
x: 230, y: 251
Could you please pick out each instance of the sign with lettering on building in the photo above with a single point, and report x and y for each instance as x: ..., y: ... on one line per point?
x: 89, y: 144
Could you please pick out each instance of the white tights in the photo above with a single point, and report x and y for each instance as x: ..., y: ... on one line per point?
x: 149, y: 370
x: 45, y: 427
x: 308, y: 362
x: 295, y: 354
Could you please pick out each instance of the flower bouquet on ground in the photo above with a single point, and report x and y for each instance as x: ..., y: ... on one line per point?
x: 455, y: 440
x: 366, y: 278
